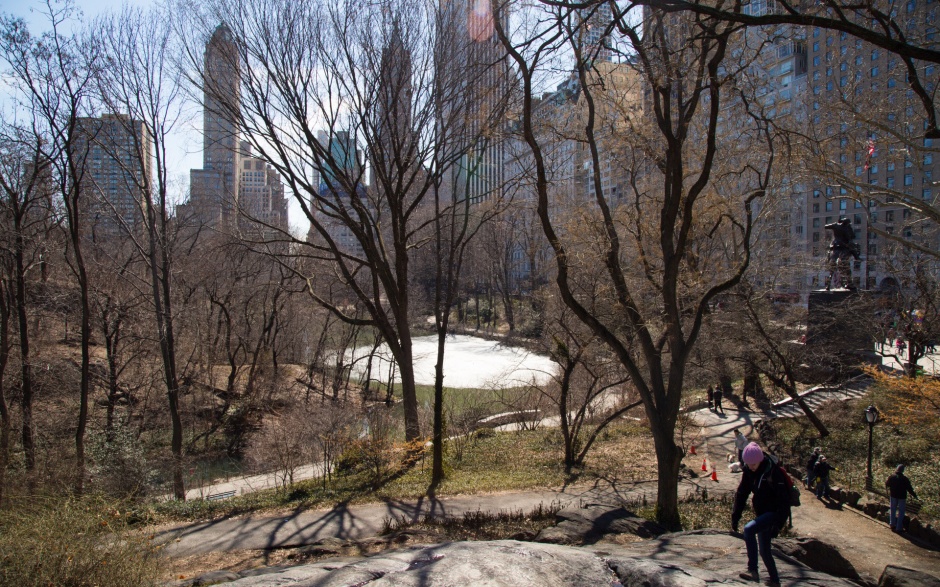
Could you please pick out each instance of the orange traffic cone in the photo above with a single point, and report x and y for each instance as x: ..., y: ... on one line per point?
x: 714, y: 475
x: 692, y: 450
x: 704, y: 467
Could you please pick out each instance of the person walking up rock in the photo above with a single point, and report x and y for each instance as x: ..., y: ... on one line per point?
x: 810, y: 480
x: 717, y: 396
x: 766, y: 481
x: 898, y: 487
x: 822, y: 470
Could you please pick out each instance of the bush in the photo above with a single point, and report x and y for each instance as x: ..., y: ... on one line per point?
x: 120, y: 466
x: 73, y: 543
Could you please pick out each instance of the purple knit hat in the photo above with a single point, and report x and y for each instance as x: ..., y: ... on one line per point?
x: 752, y: 454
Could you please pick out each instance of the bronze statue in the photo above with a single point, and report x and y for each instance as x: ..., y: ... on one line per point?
x: 841, y: 250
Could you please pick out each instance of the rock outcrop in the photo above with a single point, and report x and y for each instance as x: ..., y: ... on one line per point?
x: 700, y: 558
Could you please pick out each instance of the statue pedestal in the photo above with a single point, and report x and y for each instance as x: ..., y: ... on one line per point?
x: 839, y: 334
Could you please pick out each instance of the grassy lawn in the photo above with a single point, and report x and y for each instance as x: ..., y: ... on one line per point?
x: 500, y: 461
x: 847, y: 449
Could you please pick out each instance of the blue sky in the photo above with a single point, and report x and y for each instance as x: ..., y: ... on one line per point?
x: 186, y: 145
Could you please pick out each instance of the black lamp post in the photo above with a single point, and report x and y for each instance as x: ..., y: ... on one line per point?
x: 871, y: 416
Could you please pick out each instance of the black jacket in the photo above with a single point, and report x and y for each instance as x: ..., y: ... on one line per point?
x: 900, y: 486
x: 811, y: 462
x: 821, y: 470
x: 769, y: 486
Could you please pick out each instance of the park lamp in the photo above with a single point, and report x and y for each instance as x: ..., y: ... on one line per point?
x: 871, y: 416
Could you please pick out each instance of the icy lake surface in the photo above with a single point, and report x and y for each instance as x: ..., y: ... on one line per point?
x: 468, y: 362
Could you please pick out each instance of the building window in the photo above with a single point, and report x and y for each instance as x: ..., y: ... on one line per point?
x: 816, y: 193
x: 889, y: 216
x: 842, y: 81
x: 858, y: 218
x: 858, y: 170
x: 926, y: 193
x: 872, y: 249
x: 908, y: 179
x: 815, y: 208
x: 843, y: 66
x: 816, y: 61
x: 815, y: 222
x: 890, y: 165
x: 829, y: 86
x: 815, y: 237
x: 890, y: 181
x: 874, y: 71
x: 842, y: 205
x: 828, y: 206
x: 815, y: 45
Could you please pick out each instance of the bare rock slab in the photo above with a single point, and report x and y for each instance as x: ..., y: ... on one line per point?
x: 503, y: 563
x: 901, y: 577
x: 589, y: 524
x: 702, y: 558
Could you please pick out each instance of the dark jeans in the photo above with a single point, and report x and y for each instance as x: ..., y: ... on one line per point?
x: 757, y: 535
x: 896, y: 517
x: 822, y: 487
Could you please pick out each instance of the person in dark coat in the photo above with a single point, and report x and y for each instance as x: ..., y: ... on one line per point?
x: 717, y: 398
x: 898, y: 487
x: 767, y: 482
x: 710, y: 394
x: 822, y: 470
x: 810, y: 479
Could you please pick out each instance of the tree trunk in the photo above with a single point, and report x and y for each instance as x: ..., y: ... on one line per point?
x: 437, y: 457
x: 752, y: 384
x: 5, y: 423
x: 26, y: 370
x: 668, y: 459
x: 84, y: 382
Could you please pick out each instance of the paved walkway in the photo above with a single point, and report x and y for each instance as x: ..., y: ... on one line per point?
x: 867, y: 543
x: 821, y: 394
x: 240, y: 485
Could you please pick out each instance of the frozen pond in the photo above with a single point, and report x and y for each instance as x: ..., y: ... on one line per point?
x: 468, y: 362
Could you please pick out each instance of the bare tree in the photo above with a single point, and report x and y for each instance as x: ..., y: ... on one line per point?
x: 54, y: 75
x: 139, y: 79
x: 322, y: 83
x: 26, y: 214
x: 681, y: 236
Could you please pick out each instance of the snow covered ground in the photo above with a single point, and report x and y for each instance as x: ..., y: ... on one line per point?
x: 469, y: 362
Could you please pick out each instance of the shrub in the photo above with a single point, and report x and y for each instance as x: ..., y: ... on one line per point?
x: 120, y: 466
x: 73, y: 543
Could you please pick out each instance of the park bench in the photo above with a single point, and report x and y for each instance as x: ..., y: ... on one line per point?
x: 221, y: 495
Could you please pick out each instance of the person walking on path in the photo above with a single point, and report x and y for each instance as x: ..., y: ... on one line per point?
x: 822, y: 470
x: 717, y: 397
x: 898, y: 487
x: 740, y: 442
x: 710, y: 394
x: 810, y: 480
x: 766, y: 481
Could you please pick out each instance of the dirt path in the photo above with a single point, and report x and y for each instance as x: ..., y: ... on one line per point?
x: 868, y: 544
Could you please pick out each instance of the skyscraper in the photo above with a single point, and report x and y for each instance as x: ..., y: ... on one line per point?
x: 116, y: 155
x: 233, y: 187
x: 214, y: 188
